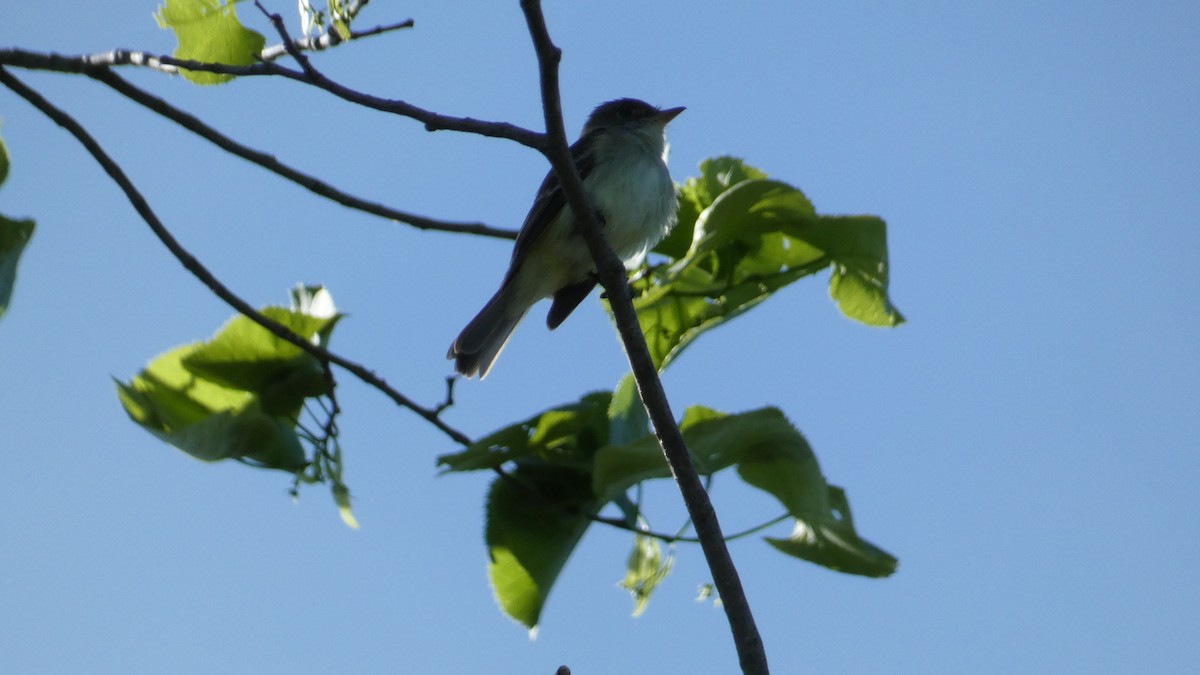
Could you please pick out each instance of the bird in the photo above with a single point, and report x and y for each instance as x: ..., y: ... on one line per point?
x: 621, y: 157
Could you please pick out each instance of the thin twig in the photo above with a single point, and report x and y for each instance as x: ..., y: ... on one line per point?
x: 270, y: 163
x: 200, y: 272
x: 329, y: 40
x: 620, y: 524
x: 333, y: 39
x: 330, y: 427
x: 449, y: 401
x: 611, y: 271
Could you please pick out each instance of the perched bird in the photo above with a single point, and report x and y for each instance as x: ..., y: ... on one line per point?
x: 622, y: 158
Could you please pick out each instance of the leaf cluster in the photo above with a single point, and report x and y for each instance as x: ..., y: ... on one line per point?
x: 558, y: 469
x: 740, y: 238
x: 241, y: 394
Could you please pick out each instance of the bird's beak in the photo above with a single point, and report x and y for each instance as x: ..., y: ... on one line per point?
x: 669, y: 114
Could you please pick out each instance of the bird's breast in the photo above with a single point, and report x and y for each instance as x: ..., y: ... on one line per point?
x: 636, y: 197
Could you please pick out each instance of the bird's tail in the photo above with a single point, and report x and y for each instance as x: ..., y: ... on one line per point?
x: 478, y: 345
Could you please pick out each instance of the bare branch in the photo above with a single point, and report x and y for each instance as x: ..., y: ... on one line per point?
x: 87, y: 64
x: 202, y: 273
x: 613, y: 277
x: 330, y: 39
x: 270, y: 163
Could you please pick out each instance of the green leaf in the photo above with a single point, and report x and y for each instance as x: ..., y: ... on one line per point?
x: 627, y: 416
x: 534, y: 521
x: 739, y: 256
x: 747, y: 237
x: 771, y: 455
x: 832, y: 541
x: 207, y: 421
x: 237, y: 395
x: 209, y: 31
x: 568, y: 435
x: 246, y: 356
x: 340, y: 19
x: 717, y: 174
x: 645, y: 569
x: 619, y: 467
x: 14, y: 236
x: 341, y: 497
x: 859, y: 282
x: 716, y: 441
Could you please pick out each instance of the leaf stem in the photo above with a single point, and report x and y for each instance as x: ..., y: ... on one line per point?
x: 676, y: 538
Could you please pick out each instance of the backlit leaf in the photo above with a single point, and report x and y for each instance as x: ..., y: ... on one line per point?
x: 747, y: 237
x: 770, y: 454
x: 14, y: 237
x: 627, y: 416
x: 209, y: 31
x: 645, y: 569
x: 534, y: 521
x: 568, y: 434
x: 206, y: 420
x: 236, y: 396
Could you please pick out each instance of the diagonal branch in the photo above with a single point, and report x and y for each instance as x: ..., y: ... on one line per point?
x: 270, y: 163
x: 613, y: 277
x: 200, y: 272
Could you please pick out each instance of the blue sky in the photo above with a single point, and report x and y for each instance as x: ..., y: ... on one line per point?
x: 1026, y: 444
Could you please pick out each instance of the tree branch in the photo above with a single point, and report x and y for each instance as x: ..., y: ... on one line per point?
x: 200, y: 272
x: 333, y: 38
x: 613, y: 277
x: 270, y: 163
x: 88, y: 63
x: 330, y: 40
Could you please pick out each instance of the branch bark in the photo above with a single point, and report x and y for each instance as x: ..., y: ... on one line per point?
x: 611, y: 271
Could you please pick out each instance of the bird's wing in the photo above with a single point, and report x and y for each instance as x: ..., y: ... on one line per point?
x: 550, y: 200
